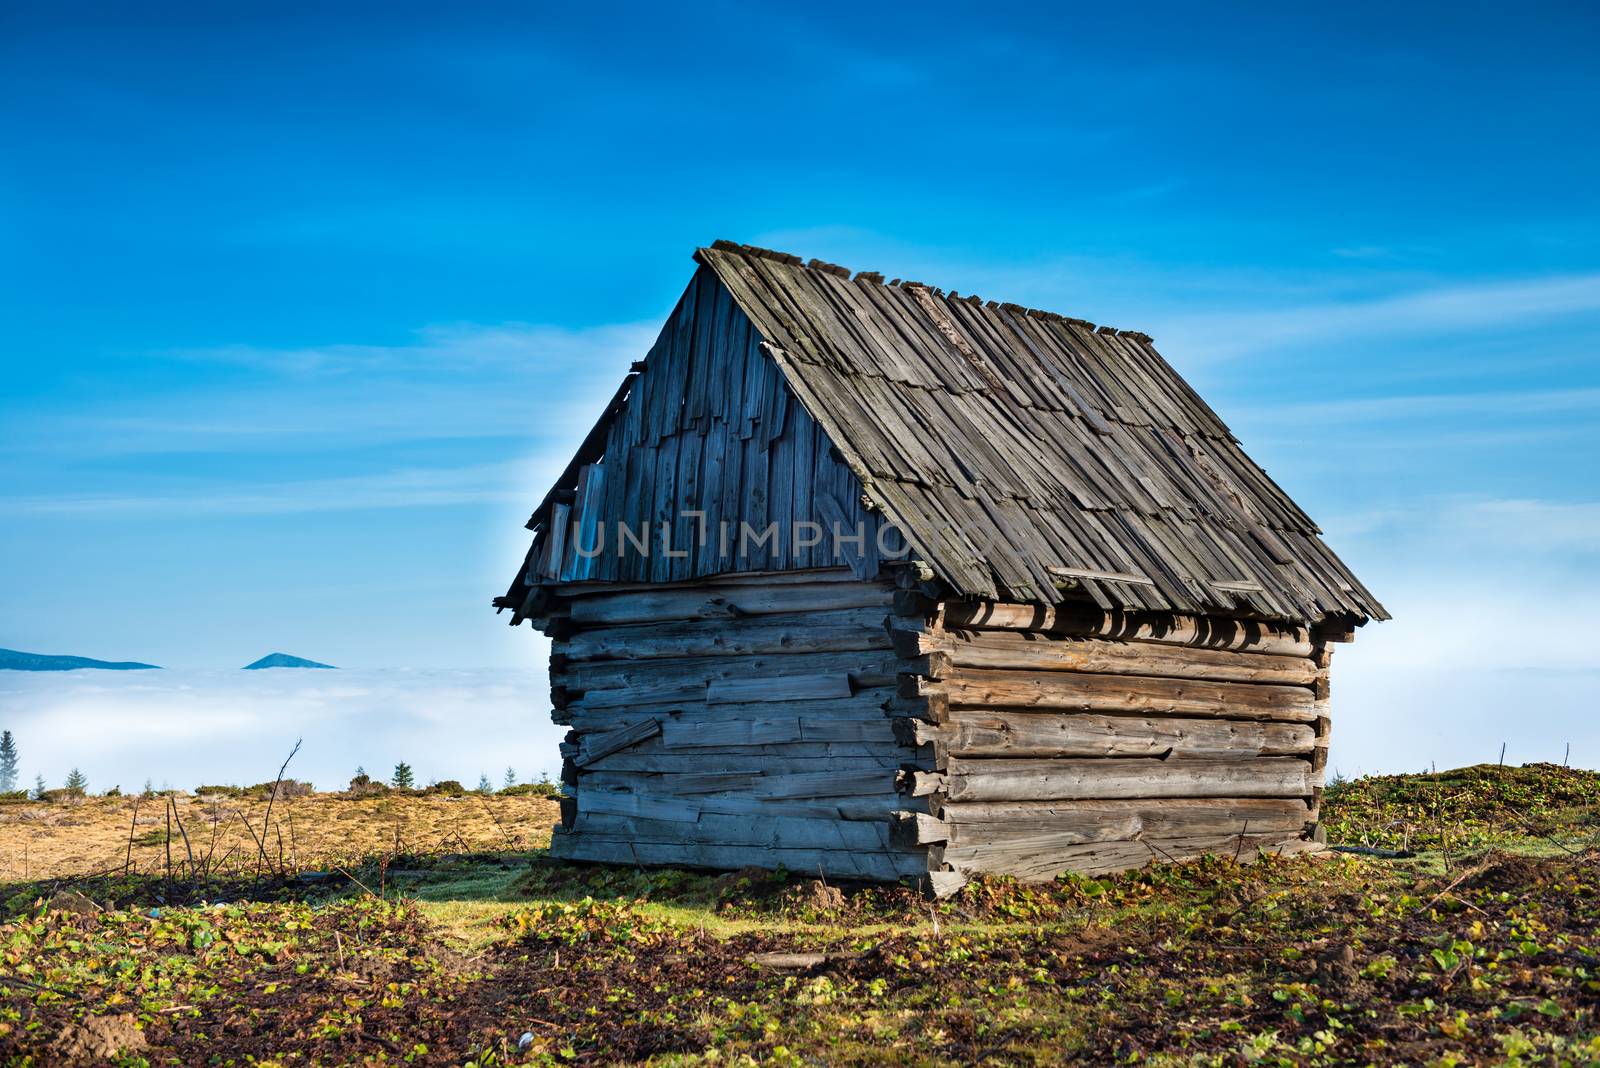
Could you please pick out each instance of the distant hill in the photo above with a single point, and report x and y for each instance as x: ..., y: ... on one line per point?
x: 12, y: 660
x: 277, y: 660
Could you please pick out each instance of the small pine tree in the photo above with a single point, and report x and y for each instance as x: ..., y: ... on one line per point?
x: 403, y: 778
x: 484, y: 785
x: 8, y: 762
x: 511, y: 778
x: 39, y: 787
x: 149, y: 789
x: 76, y: 780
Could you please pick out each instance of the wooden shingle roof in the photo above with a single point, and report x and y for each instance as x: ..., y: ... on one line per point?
x: 1031, y: 457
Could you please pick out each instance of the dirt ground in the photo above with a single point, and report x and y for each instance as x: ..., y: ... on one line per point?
x: 42, y: 841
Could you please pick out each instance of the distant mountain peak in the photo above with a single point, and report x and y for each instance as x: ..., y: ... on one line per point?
x: 17, y: 661
x: 284, y: 660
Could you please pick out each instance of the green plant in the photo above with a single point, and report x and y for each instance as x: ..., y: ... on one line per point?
x: 76, y: 780
x: 403, y: 778
x: 8, y: 762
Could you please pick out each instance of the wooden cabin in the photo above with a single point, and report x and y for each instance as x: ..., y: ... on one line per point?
x: 878, y: 581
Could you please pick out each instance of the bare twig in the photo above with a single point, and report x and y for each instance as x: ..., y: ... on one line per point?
x: 127, y: 865
x: 358, y: 882
x: 261, y: 850
x: 267, y: 819
x: 511, y: 845
x: 179, y: 820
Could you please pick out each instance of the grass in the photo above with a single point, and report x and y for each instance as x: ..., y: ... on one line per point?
x: 1481, y: 947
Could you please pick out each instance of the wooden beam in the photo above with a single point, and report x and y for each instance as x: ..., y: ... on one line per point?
x: 1132, y: 777
x: 1081, y: 691
x: 1002, y: 733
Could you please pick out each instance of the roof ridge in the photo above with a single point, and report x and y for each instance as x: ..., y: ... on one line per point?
x: 876, y: 278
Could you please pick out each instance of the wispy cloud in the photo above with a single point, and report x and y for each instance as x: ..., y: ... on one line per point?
x: 458, y: 382
x: 409, y: 488
x: 1416, y: 406
x: 517, y: 348
x: 1442, y: 311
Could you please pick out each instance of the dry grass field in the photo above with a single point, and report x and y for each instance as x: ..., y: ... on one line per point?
x: 45, y: 841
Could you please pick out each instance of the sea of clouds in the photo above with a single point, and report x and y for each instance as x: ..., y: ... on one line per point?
x: 187, y: 728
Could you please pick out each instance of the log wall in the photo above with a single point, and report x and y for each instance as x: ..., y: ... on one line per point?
x: 821, y: 723
x: 738, y: 722
x: 1071, y: 739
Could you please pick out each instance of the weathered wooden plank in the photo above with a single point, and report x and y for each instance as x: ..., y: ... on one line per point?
x: 824, y: 783
x: 770, y: 832
x: 1209, y: 632
x: 1037, y: 651
x: 835, y: 864
x: 727, y: 602
x: 599, y: 746
x: 1043, y: 861
x: 973, y: 823
x: 850, y: 630
x: 590, y: 677
x: 680, y: 735
x: 735, y: 800
x: 592, y: 802
x: 864, y: 704
x: 1002, y: 733
x: 1065, y: 779
x: 982, y: 688
x: 781, y: 688
x: 687, y: 761
x: 793, y: 577
x: 885, y: 748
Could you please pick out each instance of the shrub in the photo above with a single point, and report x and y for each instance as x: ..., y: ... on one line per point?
x: 532, y: 789
x: 286, y: 788
x: 219, y: 791
x: 447, y: 788
x: 362, y: 785
x: 68, y: 795
x: 14, y: 797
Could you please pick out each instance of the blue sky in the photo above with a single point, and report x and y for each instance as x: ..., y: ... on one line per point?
x: 303, y: 309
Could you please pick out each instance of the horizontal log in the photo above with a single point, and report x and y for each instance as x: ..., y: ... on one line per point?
x: 771, y: 757
x: 623, y: 803
x: 1002, y: 733
x: 1033, y: 863
x: 1051, y: 780
x: 800, y: 576
x: 679, y: 784
x: 726, y: 602
x: 1030, y: 651
x: 784, y: 688
x: 1077, y: 691
x: 1076, y: 822
x: 853, y: 629
x: 885, y: 866
x: 1260, y: 637
x: 692, y: 761
x: 737, y: 800
x: 768, y: 832
x: 872, y: 668
x: 851, y: 783
x: 785, y: 730
x: 864, y: 704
